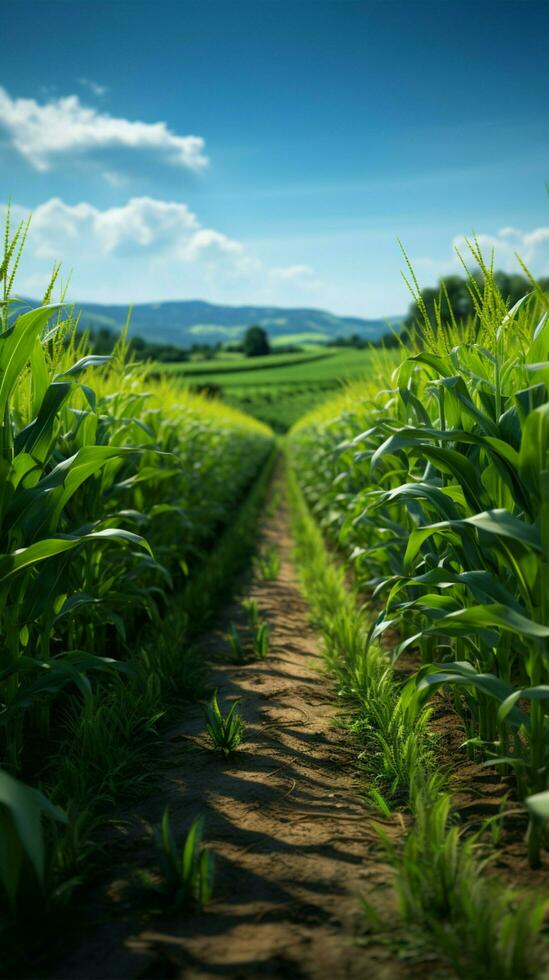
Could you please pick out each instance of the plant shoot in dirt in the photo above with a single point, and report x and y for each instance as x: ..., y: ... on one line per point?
x: 252, y: 611
x: 236, y: 645
x: 187, y: 872
x: 225, y: 731
x: 261, y: 641
x: 268, y: 563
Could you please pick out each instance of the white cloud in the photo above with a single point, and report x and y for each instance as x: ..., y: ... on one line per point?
x: 148, y: 250
x: 298, y: 275
x: 42, y: 133
x: 143, y: 224
x: 144, y: 249
x: 94, y: 87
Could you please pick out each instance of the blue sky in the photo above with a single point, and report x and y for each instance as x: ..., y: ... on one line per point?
x: 272, y: 152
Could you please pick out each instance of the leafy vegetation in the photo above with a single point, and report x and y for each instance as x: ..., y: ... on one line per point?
x: 470, y: 917
x: 268, y: 562
x: 103, y: 518
x: 261, y: 641
x: 122, y: 490
x: 434, y: 481
x: 236, y: 644
x: 479, y: 927
x: 226, y: 731
x: 186, y: 874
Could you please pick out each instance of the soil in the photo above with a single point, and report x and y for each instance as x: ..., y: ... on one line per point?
x: 294, y: 844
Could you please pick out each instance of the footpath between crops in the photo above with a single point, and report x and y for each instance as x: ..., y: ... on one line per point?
x: 293, y: 841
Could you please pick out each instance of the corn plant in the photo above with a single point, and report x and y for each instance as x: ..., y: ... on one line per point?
x: 469, y: 917
x: 22, y: 849
x: 268, y: 563
x: 226, y: 731
x: 252, y: 611
x: 432, y: 476
x: 187, y: 872
x: 236, y: 644
x: 102, y: 514
x: 261, y: 641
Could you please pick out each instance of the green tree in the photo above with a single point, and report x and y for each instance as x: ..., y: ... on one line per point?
x: 256, y: 342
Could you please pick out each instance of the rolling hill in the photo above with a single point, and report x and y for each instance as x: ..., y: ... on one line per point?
x: 194, y: 321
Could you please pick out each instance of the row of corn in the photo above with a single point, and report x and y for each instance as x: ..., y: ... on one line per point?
x: 113, y: 489
x: 433, y: 475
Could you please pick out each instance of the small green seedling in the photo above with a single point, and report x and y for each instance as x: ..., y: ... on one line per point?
x: 226, y: 732
x: 268, y: 563
x: 187, y: 874
x: 235, y: 642
x: 261, y: 641
x: 252, y: 610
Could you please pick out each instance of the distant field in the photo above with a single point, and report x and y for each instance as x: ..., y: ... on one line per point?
x: 237, y: 363
x: 277, y: 389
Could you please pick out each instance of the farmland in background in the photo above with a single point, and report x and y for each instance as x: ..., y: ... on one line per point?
x: 279, y: 388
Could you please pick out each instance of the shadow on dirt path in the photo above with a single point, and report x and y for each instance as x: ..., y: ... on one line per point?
x: 293, y: 842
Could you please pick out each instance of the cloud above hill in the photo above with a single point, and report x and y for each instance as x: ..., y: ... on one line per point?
x: 43, y: 133
x: 144, y: 225
x: 148, y: 249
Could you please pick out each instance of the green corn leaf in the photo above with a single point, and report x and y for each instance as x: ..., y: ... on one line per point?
x: 51, y: 547
x: 538, y: 805
x: 168, y: 844
x: 16, y: 346
x: 206, y: 871
x: 539, y: 693
x: 463, y: 673
x: 504, y: 524
x: 91, y: 360
x: 21, y: 831
x: 491, y: 615
x: 39, y: 375
x: 191, y: 850
x: 36, y: 437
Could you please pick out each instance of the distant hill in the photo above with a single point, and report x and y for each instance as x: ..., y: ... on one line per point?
x: 194, y: 321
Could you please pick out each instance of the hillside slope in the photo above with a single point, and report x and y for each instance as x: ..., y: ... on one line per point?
x: 194, y: 321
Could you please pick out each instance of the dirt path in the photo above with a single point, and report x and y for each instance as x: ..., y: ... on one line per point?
x: 293, y: 842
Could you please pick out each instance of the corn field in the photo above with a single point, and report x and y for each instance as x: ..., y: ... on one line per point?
x: 113, y: 489
x: 433, y: 476
x: 123, y: 500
